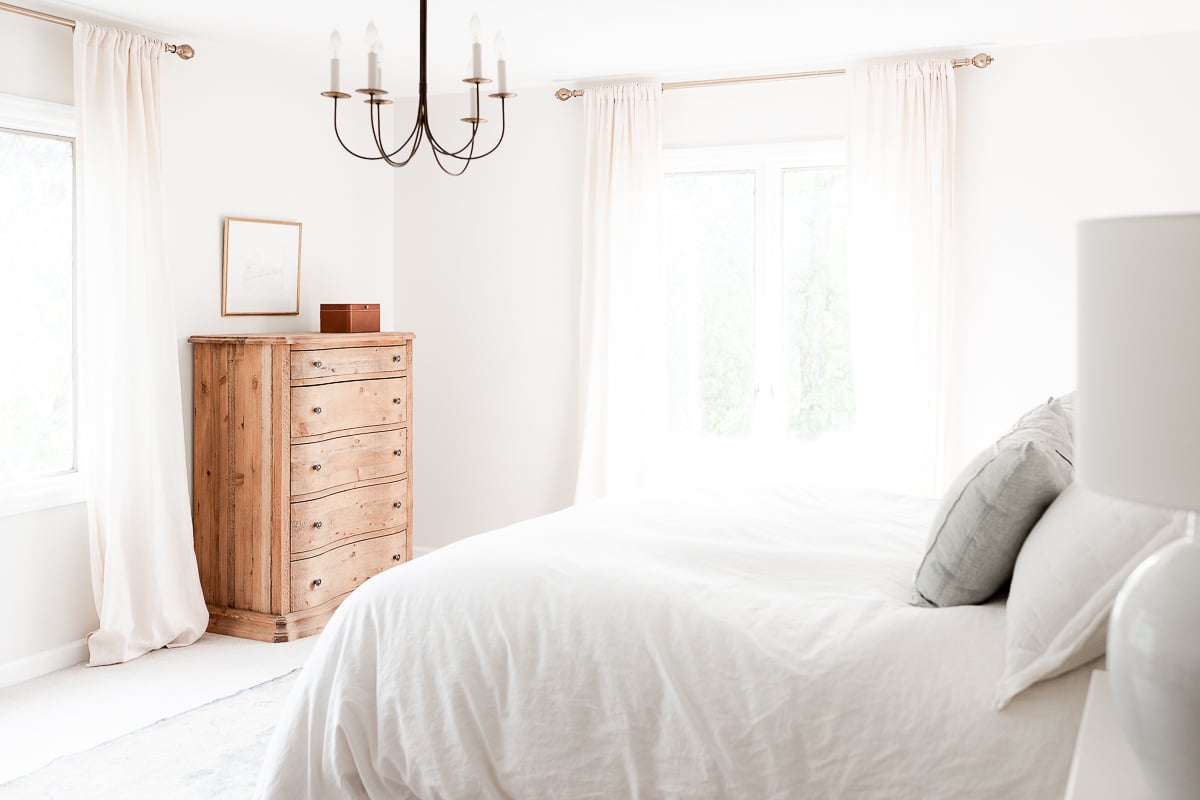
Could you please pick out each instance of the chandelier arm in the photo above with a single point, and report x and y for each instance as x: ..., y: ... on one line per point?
x: 415, y: 136
x: 503, y: 125
x: 376, y: 116
x: 466, y: 160
x: 342, y: 143
x: 470, y: 142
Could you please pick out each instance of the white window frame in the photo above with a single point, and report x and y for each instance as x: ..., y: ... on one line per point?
x: 768, y: 163
x: 26, y: 115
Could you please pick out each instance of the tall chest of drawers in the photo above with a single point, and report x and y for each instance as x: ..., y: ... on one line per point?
x: 302, y: 474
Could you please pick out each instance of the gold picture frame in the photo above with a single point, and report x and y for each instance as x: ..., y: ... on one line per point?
x: 257, y: 277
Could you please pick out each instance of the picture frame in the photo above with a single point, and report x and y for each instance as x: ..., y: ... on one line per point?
x: 261, y: 268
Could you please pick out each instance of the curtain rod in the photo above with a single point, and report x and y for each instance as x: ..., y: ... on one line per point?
x: 981, y: 61
x: 184, y: 51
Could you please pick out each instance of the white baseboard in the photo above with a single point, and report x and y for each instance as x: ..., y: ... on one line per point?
x: 43, y: 663
x: 419, y: 551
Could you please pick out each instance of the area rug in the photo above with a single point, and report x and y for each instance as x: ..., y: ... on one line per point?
x: 210, y: 753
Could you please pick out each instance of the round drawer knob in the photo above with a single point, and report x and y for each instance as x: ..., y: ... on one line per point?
x: 318, y: 524
x: 317, y: 467
x: 397, y: 400
x: 397, y: 557
x: 397, y: 359
x: 316, y: 582
x: 397, y: 504
x: 398, y: 453
x: 318, y: 364
x: 317, y: 410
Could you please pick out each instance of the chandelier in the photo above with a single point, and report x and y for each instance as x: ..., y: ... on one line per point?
x: 376, y: 100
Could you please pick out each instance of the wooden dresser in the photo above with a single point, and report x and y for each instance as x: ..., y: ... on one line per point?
x: 302, y: 481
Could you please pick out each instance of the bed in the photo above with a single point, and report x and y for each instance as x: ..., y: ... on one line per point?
x: 698, y: 644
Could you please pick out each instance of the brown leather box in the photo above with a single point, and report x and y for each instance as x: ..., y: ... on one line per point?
x: 349, y: 317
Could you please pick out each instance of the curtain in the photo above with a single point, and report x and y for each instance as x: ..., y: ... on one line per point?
x: 622, y: 336
x: 901, y: 178
x: 144, y: 576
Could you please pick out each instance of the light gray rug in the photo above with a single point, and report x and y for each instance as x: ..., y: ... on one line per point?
x: 210, y: 753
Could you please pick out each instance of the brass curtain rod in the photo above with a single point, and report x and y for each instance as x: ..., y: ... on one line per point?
x: 184, y: 51
x: 981, y: 61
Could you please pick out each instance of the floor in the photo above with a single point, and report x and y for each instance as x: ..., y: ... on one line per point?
x: 80, y: 707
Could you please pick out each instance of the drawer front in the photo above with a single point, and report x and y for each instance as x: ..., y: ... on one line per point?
x: 343, y: 569
x: 348, y: 459
x: 348, y: 361
x: 348, y: 404
x: 320, y: 522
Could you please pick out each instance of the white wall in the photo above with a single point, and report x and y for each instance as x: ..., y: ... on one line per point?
x: 244, y: 135
x: 487, y: 276
x: 1049, y: 135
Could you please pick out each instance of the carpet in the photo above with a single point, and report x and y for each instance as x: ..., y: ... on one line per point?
x: 210, y: 753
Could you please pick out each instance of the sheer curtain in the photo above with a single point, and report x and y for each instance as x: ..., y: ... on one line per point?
x: 622, y: 340
x: 901, y: 178
x: 144, y: 575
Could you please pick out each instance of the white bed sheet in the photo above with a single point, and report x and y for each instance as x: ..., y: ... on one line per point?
x: 748, y: 644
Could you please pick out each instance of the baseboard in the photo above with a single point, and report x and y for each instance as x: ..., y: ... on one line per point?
x: 419, y: 551
x: 43, y: 663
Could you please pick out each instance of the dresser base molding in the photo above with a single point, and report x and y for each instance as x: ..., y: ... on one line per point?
x: 271, y: 627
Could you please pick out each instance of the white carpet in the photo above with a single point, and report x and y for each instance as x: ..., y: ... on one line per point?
x: 210, y: 753
x: 78, y: 708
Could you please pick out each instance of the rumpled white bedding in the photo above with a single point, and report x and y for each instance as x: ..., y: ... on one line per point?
x: 749, y: 644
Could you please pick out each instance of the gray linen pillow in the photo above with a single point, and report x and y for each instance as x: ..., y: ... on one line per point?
x: 992, y: 506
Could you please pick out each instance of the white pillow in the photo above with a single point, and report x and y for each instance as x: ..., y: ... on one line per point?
x: 1066, y: 579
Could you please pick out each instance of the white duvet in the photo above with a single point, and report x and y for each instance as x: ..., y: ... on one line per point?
x: 749, y: 644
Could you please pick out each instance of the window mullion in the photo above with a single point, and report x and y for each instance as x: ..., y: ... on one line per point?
x: 768, y: 307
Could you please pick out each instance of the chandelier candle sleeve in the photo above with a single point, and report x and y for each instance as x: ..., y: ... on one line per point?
x: 476, y: 49
x: 372, y: 55
x: 335, y: 64
x: 501, y: 65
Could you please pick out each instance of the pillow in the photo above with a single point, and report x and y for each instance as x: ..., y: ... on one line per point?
x: 991, y: 507
x: 1068, y: 574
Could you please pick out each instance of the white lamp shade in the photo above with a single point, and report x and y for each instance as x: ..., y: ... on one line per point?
x: 1138, y: 424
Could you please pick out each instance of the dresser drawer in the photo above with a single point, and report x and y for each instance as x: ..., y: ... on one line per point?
x: 348, y: 361
x: 343, y: 569
x: 348, y: 404
x: 348, y: 459
x: 330, y: 519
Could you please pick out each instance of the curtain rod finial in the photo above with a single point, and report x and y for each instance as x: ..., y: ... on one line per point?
x: 184, y: 51
x: 567, y: 94
x: 981, y: 60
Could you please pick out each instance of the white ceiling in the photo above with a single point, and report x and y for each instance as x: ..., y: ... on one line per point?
x: 553, y: 41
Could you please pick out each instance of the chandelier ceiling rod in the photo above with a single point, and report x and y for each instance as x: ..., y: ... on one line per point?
x: 421, y: 129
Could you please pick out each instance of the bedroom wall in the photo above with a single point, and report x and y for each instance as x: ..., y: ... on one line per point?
x: 228, y: 151
x: 1050, y: 135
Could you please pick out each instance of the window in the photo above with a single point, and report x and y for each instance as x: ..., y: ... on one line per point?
x: 37, y: 269
x: 758, y: 317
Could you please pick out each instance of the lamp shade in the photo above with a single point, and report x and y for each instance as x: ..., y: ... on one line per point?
x: 1138, y: 424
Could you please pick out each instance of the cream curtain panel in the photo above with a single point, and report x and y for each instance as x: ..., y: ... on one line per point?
x: 622, y: 338
x: 901, y: 177
x: 144, y: 575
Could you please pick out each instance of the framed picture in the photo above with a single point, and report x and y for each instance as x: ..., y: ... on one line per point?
x: 262, y: 267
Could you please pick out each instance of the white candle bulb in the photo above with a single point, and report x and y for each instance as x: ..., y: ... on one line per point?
x: 372, y: 37
x: 477, y: 60
x: 476, y: 28
x: 501, y: 66
x: 335, y: 65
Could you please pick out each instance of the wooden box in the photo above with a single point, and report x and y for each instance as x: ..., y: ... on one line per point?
x: 349, y: 317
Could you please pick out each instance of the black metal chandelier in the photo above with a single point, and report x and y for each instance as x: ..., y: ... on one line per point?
x: 420, y: 131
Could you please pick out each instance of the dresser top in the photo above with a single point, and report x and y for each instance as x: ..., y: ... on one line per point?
x: 309, y: 339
